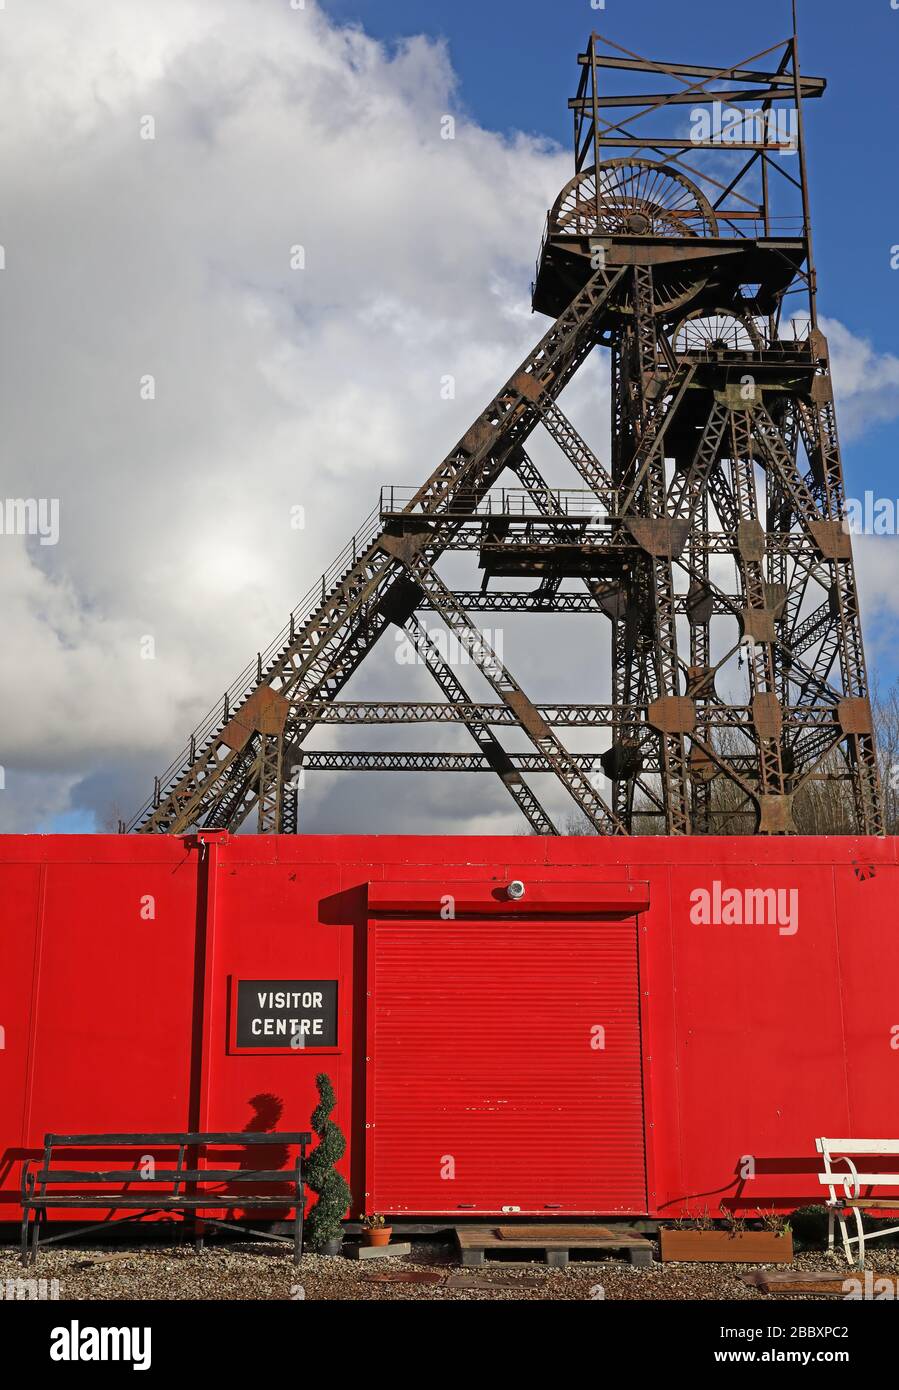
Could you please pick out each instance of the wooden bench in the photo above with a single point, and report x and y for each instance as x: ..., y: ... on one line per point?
x: 851, y: 1182
x: 154, y: 1185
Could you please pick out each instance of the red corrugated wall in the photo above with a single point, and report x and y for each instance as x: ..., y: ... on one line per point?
x: 119, y: 957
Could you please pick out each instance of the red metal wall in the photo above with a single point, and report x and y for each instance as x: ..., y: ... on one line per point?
x: 118, y: 957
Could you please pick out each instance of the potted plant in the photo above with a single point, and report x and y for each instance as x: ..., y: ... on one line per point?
x: 765, y: 1239
x: 375, y: 1230
x: 325, y: 1225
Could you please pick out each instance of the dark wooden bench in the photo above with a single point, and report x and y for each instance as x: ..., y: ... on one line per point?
x: 160, y: 1186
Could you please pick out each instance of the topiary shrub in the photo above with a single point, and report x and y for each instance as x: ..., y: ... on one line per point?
x: 332, y: 1189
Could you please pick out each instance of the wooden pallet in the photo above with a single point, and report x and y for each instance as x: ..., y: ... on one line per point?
x: 554, y: 1242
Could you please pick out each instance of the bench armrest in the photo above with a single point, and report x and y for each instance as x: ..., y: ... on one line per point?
x: 28, y: 1179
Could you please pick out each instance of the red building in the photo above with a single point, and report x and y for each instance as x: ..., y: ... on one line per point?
x: 591, y: 1026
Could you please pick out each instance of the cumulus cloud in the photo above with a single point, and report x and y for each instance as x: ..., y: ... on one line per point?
x: 866, y: 382
x: 280, y: 394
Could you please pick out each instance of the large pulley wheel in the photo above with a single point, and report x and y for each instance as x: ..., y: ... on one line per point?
x: 718, y: 331
x: 639, y: 198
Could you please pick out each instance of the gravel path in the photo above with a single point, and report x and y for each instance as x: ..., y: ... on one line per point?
x: 249, y: 1271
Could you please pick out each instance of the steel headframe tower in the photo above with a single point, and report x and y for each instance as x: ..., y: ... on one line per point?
x: 713, y: 541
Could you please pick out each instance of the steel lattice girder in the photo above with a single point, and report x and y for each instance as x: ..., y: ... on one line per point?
x: 707, y: 398
x: 358, y: 760
x: 557, y: 716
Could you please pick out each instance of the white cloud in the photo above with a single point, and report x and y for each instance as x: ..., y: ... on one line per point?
x: 275, y: 388
x: 877, y: 570
x: 866, y: 387
x: 866, y: 382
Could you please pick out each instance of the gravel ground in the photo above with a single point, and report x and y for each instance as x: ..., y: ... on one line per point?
x: 247, y: 1271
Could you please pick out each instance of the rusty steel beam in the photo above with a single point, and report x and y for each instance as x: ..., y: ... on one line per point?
x: 741, y: 74
x: 697, y: 97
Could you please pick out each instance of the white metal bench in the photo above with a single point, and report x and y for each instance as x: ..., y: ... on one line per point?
x: 851, y: 1183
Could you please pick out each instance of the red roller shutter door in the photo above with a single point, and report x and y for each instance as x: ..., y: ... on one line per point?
x: 504, y: 1067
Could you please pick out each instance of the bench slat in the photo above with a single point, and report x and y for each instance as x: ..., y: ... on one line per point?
x: 836, y: 1179
x: 160, y: 1201
x: 834, y: 1147
x: 193, y: 1140
x: 169, y: 1175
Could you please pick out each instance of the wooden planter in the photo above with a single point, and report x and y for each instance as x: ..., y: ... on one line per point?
x: 727, y: 1247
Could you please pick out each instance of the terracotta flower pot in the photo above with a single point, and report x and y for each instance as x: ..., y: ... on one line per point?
x: 379, y: 1235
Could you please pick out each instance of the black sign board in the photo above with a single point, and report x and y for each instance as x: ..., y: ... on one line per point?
x: 286, y: 1013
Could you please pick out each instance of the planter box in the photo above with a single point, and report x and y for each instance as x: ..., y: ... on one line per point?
x: 727, y: 1247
